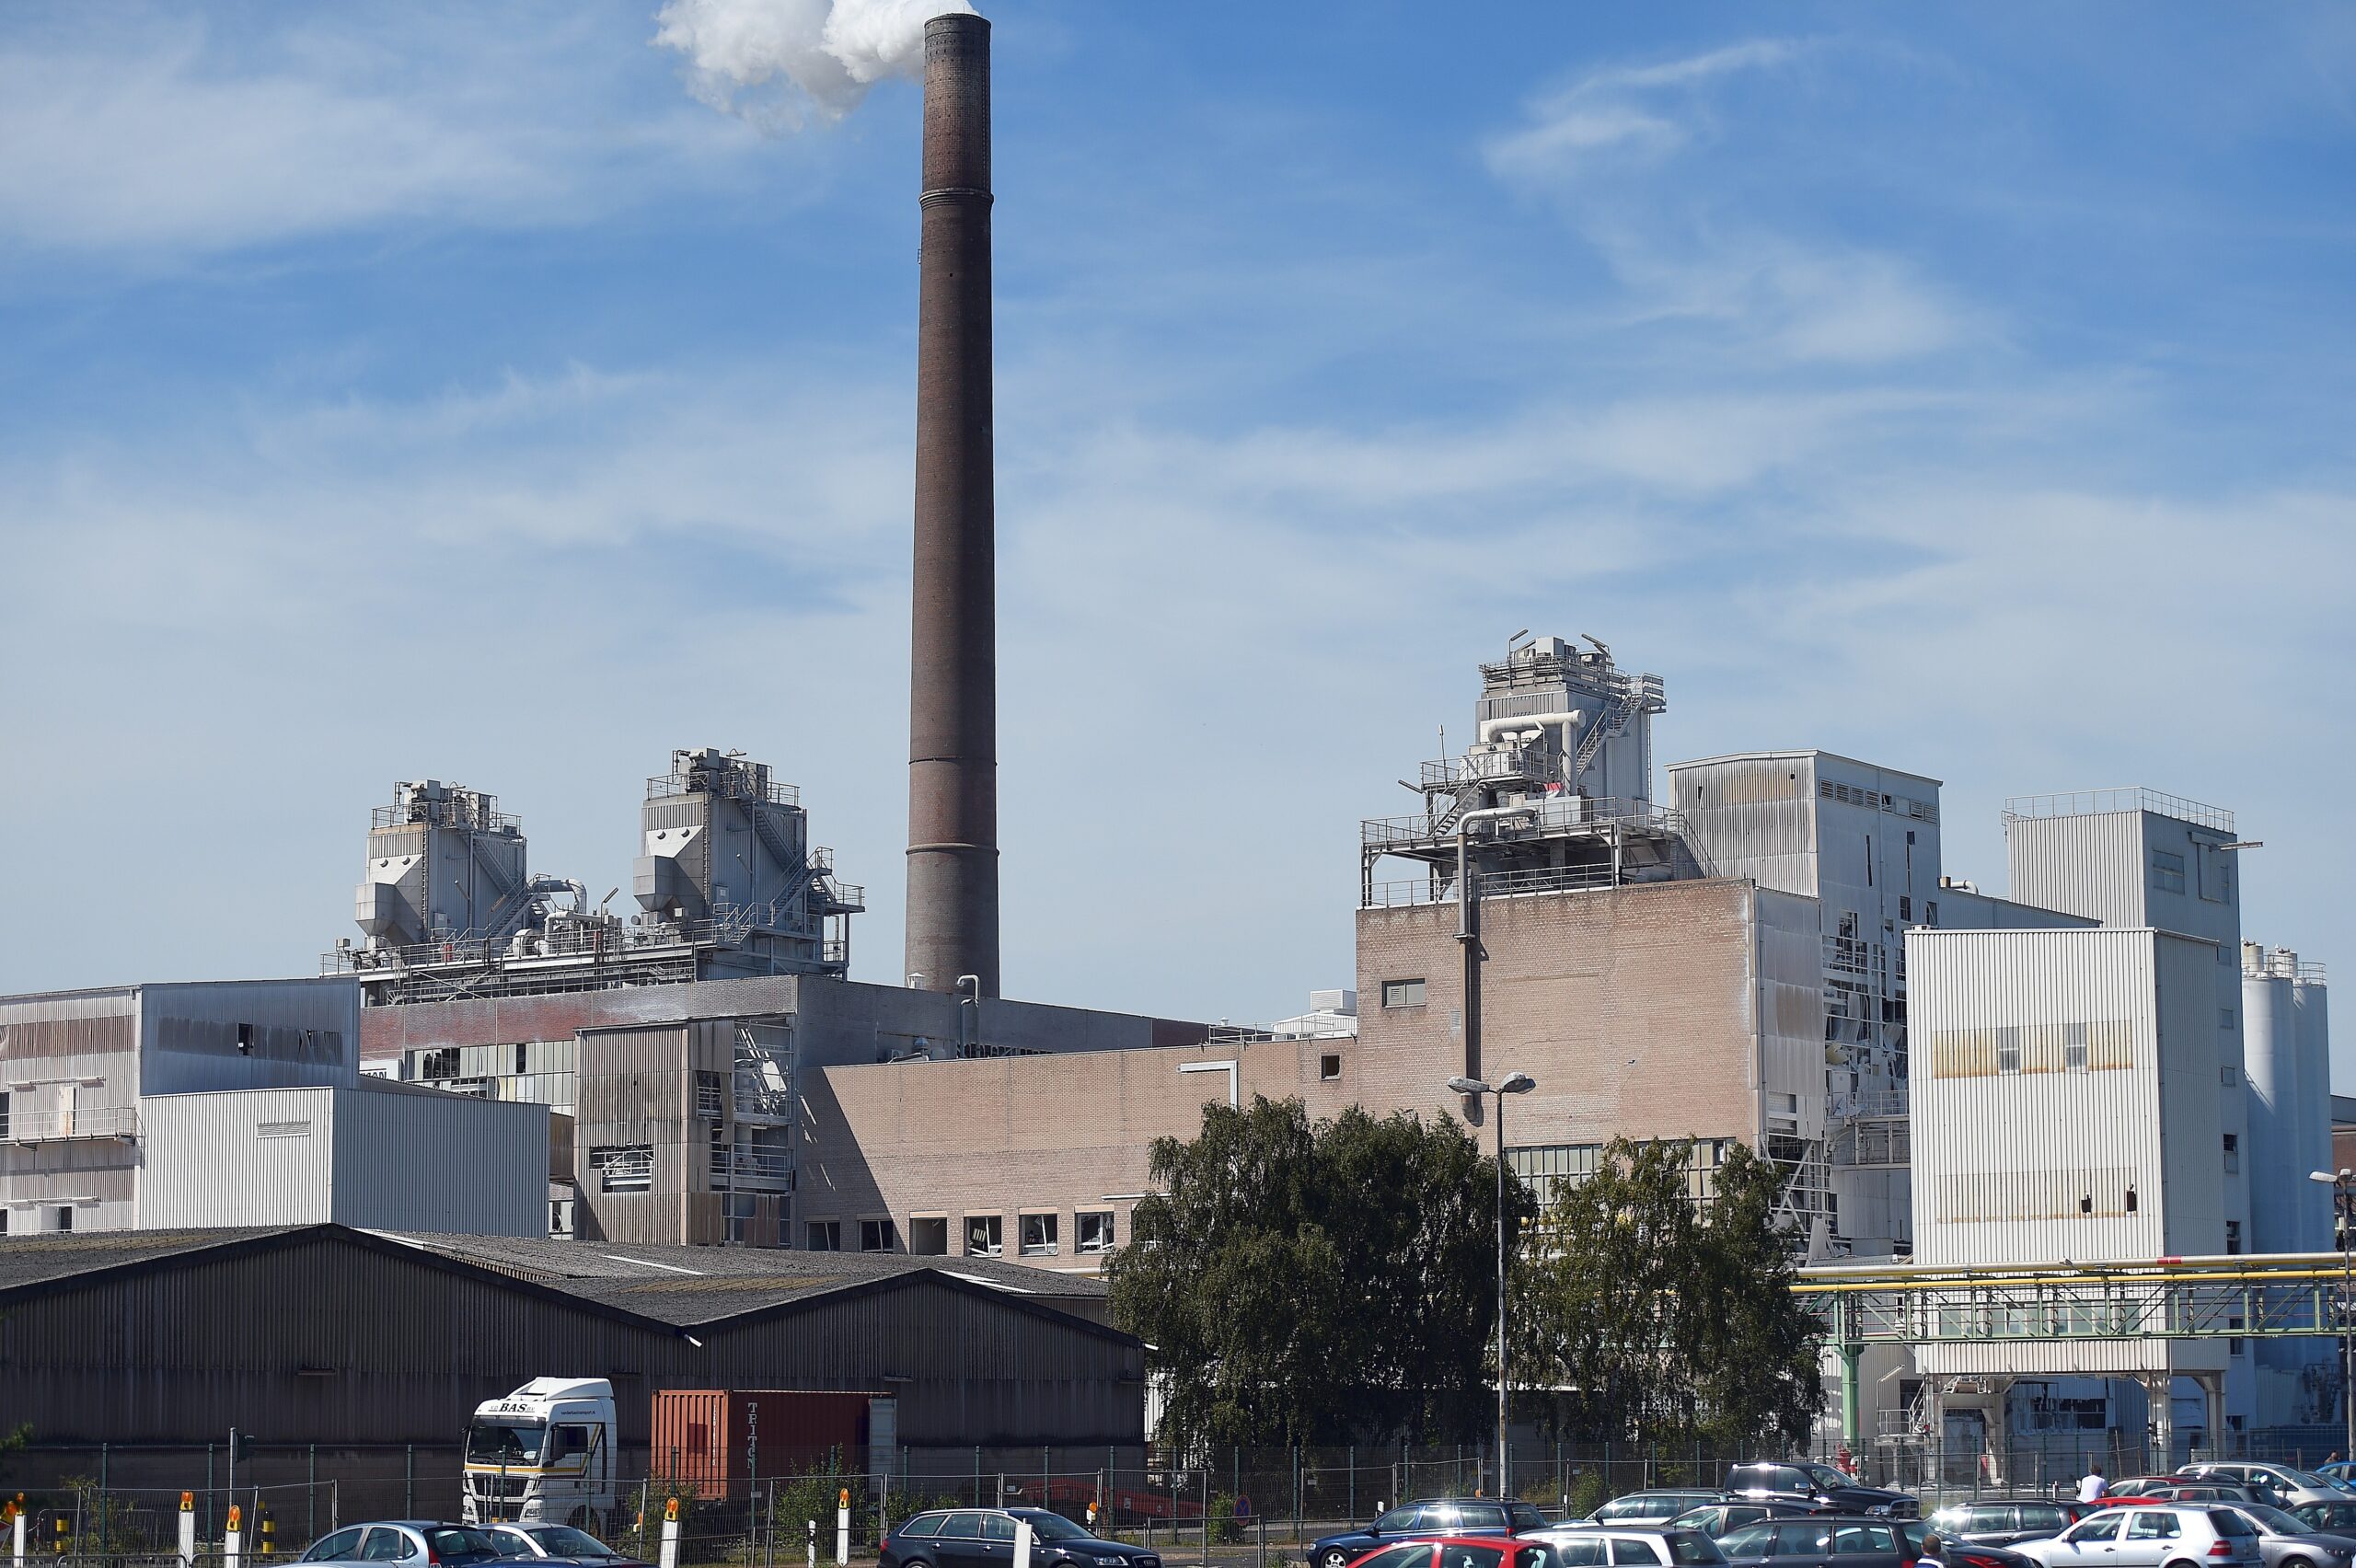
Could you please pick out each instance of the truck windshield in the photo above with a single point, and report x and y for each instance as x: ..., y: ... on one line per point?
x: 504, y: 1442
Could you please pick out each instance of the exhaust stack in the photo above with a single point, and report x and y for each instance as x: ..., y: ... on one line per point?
x: 953, y: 708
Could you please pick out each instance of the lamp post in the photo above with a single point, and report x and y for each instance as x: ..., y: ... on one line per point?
x: 1513, y: 1083
x: 2342, y: 1183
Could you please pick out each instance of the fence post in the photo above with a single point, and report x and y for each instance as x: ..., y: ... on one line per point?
x: 311, y: 1495
x: 409, y: 1483
x: 1206, y: 1516
x: 977, y: 1475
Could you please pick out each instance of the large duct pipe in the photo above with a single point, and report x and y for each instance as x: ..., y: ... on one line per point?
x: 953, y: 708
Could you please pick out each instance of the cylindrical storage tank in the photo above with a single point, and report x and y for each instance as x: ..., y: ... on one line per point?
x: 2277, y: 1177
x: 2312, y: 1028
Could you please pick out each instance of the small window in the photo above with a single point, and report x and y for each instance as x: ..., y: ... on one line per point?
x: 708, y: 1096
x: 2233, y: 1154
x: 823, y: 1236
x: 337, y: 1548
x: 623, y: 1168
x: 2073, y: 1048
x: 923, y: 1524
x: 985, y: 1236
x: 2008, y: 1049
x: 572, y: 1442
x: 1402, y: 992
x: 2130, y: 1199
x: 929, y: 1236
x: 1930, y: 912
x: 2167, y: 871
x: 2234, y: 1241
x: 66, y: 1217
x: 963, y: 1526
x: 1905, y: 908
x: 1093, y: 1233
x: 1329, y: 1067
x: 1630, y: 1550
x: 1038, y: 1235
x: 2224, y: 1018
x: 245, y: 1040
x: 878, y: 1236
x: 998, y: 1527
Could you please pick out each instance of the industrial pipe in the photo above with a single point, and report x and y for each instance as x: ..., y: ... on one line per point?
x: 1467, y: 936
x: 1492, y: 728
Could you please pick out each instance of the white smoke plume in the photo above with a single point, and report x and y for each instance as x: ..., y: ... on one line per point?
x: 779, y: 64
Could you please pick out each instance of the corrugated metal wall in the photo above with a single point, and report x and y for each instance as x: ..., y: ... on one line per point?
x: 327, y: 1339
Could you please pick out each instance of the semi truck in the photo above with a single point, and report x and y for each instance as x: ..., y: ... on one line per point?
x: 543, y: 1453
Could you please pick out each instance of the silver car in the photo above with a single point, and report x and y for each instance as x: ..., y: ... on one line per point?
x: 2289, y: 1542
x: 2184, y: 1536
x: 2279, y: 1484
x: 414, y: 1541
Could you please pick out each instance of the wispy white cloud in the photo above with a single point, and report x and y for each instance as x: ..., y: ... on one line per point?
x: 1621, y: 109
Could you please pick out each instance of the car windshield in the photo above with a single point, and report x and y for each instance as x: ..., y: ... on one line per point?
x: 563, y: 1540
x: 1052, y: 1526
x: 1825, y: 1475
x: 504, y: 1442
x: 2274, y: 1521
x: 511, y: 1543
x: 2307, y: 1481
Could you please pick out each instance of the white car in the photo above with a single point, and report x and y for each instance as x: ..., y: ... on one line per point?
x: 1582, y: 1545
x: 2177, y: 1536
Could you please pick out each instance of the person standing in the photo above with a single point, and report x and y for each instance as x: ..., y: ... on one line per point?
x: 2091, y: 1486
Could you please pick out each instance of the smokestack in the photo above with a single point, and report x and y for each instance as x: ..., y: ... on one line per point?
x: 952, y: 706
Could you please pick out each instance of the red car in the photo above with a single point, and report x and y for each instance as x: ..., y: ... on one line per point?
x: 1461, y: 1551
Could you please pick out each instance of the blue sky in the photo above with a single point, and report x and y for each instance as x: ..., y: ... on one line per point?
x: 405, y: 391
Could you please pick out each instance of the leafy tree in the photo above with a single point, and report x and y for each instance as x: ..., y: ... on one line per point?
x: 1663, y: 1318
x: 1309, y: 1283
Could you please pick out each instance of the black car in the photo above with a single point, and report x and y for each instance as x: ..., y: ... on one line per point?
x: 1804, y: 1481
x: 1715, y: 1519
x: 1432, y: 1516
x: 1997, y: 1521
x: 983, y: 1537
x: 1817, y: 1540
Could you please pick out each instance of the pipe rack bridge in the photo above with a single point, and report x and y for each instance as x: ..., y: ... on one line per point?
x: 2274, y: 1295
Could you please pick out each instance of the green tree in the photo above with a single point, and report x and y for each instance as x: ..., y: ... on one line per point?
x: 1662, y: 1318
x: 1304, y: 1283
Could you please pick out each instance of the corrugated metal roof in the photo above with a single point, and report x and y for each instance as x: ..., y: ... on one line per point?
x: 684, y: 1287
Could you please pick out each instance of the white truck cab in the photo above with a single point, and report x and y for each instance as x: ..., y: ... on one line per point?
x: 544, y: 1452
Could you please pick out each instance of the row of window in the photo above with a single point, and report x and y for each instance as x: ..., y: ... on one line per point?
x: 34, y: 1221
x: 1036, y: 1235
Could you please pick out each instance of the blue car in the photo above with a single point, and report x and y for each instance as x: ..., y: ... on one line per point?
x: 1433, y: 1517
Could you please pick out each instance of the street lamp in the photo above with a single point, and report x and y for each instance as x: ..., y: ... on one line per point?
x: 1513, y: 1083
x: 2342, y: 1183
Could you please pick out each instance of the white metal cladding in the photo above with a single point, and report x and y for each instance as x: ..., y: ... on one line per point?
x: 2055, y: 1072
x: 2084, y: 865
x: 381, y: 1158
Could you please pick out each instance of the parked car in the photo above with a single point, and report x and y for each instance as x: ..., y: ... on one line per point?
x: 983, y: 1537
x: 2001, y: 1521
x: 560, y: 1540
x: 396, y: 1541
x: 1962, y: 1554
x: 1813, y: 1541
x: 1594, y: 1546
x: 2336, y: 1518
x: 1427, y: 1520
x: 2170, y: 1535
x: 1483, y: 1552
x: 1819, y: 1484
x: 2284, y: 1541
x: 1715, y: 1519
x: 2204, y: 1492
x: 2279, y: 1485
x: 2341, y: 1473
x: 1657, y: 1506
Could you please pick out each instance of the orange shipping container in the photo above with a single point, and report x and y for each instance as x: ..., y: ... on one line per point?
x: 715, y: 1440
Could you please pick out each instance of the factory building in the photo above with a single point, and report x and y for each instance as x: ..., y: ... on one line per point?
x: 240, y: 1103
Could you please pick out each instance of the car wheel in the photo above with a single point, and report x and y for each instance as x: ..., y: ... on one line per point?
x: 1337, y: 1558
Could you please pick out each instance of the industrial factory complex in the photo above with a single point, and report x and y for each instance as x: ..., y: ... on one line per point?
x: 2102, y: 1064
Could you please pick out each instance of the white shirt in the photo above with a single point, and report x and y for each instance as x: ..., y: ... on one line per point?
x: 2091, y: 1488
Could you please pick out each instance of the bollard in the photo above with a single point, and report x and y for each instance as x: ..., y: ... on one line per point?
x: 234, y: 1538
x: 1092, y: 1517
x: 59, y: 1532
x: 1022, y: 1543
x: 814, y: 1542
x: 269, y: 1531
x: 670, y: 1556
x: 188, y: 1529
x: 842, y: 1530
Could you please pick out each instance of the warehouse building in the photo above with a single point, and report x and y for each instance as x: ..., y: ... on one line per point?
x: 362, y: 1343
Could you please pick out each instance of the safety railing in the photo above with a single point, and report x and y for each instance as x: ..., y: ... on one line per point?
x: 2125, y: 798
x: 117, y: 1121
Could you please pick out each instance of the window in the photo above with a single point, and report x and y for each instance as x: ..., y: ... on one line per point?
x: 572, y: 1442
x: 3, y: 1222
x: 2224, y: 1018
x: 245, y: 1040
x: 2073, y: 1047
x: 737, y: 1212
x: 2130, y: 1199
x: 2232, y: 1153
x: 1402, y: 992
x: 823, y: 1236
x: 1093, y: 1233
x: 1328, y: 1069
x: 1858, y: 1540
x: 2008, y: 1048
x: 66, y: 1217
x: 929, y: 1236
x: 336, y: 1548
x: 2167, y: 871
x: 2153, y: 1526
x: 878, y: 1236
x: 1038, y: 1235
x: 2233, y: 1236
x: 623, y: 1168
x: 997, y: 1526
x: 985, y: 1236
x: 1575, y: 1552
x: 708, y: 1100
x: 4, y: 1117
x: 386, y: 1544
x: 1631, y: 1550
x: 1905, y: 908
x: 1930, y: 912
x: 963, y: 1526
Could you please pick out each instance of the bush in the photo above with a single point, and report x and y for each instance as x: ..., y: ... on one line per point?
x: 1590, y: 1491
